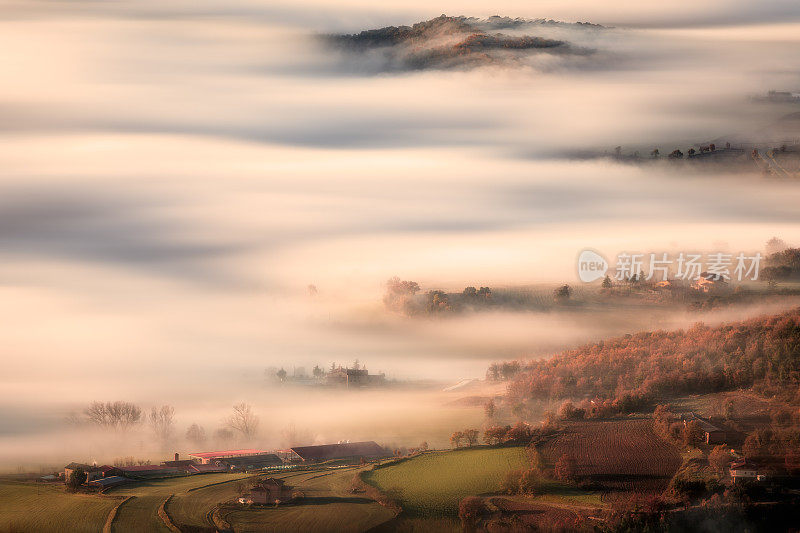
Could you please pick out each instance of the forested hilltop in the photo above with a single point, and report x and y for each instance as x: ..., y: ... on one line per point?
x: 627, y: 373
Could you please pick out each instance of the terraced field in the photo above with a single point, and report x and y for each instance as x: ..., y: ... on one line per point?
x: 49, y: 508
x: 616, y: 455
x: 140, y: 513
x: 432, y: 484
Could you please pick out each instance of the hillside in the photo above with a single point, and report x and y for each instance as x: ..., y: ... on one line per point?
x: 625, y: 373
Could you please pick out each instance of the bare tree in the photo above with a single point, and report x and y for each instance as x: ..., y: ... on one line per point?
x: 243, y: 420
x: 196, y: 434
x: 162, y: 421
x: 291, y: 436
x: 223, y: 436
x: 114, y: 415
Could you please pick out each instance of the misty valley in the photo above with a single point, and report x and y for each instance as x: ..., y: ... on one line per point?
x: 342, y: 267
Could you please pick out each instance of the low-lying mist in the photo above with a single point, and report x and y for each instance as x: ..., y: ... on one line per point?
x: 174, y: 182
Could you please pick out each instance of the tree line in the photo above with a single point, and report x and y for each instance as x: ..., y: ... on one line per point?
x: 121, y: 416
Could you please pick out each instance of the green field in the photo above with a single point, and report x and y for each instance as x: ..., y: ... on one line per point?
x: 328, y: 506
x: 432, y: 484
x: 48, y: 507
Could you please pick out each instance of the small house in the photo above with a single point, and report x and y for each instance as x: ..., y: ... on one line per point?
x: 742, y: 470
x: 269, y: 491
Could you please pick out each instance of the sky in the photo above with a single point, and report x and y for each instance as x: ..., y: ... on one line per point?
x: 174, y: 176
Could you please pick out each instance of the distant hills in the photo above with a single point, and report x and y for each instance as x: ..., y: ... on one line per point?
x: 459, y: 42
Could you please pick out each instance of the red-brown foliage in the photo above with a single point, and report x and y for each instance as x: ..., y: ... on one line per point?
x: 625, y: 373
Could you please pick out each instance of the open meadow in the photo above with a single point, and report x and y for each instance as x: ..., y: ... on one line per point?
x: 432, y: 484
x: 46, y: 507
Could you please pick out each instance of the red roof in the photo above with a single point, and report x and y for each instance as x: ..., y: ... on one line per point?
x: 228, y: 453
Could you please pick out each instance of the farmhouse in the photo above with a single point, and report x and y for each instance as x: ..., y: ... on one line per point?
x: 354, y: 377
x: 711, y: 433
x: 709, y: 283
x: 342, y: 450
x: 180, y: 464
x: 92, y: 471
x: 741, y: 470
x: 270, y: 490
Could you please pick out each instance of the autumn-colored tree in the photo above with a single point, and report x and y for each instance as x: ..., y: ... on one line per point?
x: 399, y: 295
x: 720, y: 459
x: 692, y: 433
x: 792, y: 461
x: 456, y: 438
x: 495, y: 434
x: 470, y: 510
x: 471, y: 435
x: 535, y: 461
x: 519, y: 432
x: 489, y: 409
x: 510, y: 483
x: 564, y: 468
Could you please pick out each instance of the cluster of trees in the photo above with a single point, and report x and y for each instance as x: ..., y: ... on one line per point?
x: 668, y: 426
x: 123, y: 416
x: 627, y: 373
x: 529, y: 479
x: 782, y: 265
x: 562, y: 293
x: 521, y: 433
x: 503, y: 371
x: 468, y: 437
x: 299, y: 373
x: 402, y: 297
x: 423, y: 447
x: 781, y: 442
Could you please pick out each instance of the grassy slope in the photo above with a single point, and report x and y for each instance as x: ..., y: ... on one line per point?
x: 49, y: 507
x: 141, y: 512
x: 434, y: 483
x: 328, y: 506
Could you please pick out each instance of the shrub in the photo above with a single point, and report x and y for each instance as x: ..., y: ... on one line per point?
x: 470, y: 510
x: 76, y: 479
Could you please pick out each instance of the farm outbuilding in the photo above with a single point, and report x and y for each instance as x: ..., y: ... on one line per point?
x: 108, y: 482
x: 251, y: 462
x: 148, y: 470
x: 212, y: 457
x: 711, y: 433
x: 270, y: 490
x: 344, y: 450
